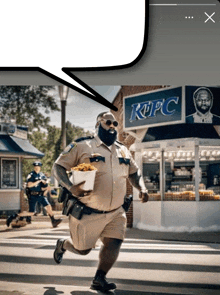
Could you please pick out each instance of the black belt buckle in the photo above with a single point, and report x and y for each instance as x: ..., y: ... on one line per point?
x: 102, y: 212
x: 35, y: 193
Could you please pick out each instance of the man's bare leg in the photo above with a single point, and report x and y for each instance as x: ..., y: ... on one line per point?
x: 67, y: 245
x: 63, y: 245
x: 107, y: 257
x: 109, y: 253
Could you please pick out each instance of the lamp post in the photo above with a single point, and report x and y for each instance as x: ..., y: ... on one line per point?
x: 63, y: 92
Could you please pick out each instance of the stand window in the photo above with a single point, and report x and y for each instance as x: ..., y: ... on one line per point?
x: 9, y: 173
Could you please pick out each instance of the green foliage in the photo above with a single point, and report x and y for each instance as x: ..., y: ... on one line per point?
x: 25, y: 104
x: 74, y: 132
x: 38, y: 140
x: 49, y: 143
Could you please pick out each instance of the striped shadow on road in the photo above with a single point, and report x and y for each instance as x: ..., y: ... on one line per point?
x: 131, y: 250
x: 120, y: 264
x: 157, y: 251
x: 143, y: 266
x: 129, y: 246
x: 83, y: 281
x: 121, y: 292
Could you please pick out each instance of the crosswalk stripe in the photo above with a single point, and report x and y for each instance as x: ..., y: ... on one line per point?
x: 39, y: 239
x: 151, y: 265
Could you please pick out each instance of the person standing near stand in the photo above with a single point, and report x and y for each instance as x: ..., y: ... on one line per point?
x: 37, y: 185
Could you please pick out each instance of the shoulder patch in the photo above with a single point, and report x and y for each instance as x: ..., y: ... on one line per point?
x: 29, y: 176
x: 69, y: 148
x: 84, y: 138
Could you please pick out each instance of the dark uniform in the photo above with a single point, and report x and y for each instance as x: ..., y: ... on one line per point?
x: 36, y: 192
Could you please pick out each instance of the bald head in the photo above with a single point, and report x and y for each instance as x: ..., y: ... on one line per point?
x: 203, y: 100
x: 107, y: 120
x: 106, y: 125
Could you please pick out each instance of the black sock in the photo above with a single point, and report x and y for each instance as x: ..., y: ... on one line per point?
x: 100, y: 273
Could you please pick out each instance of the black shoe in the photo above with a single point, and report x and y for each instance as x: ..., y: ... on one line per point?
x: 55, y: 222
x: 59, y: 251
x: 100, y: 283
x: 28, y: 219
x: 10, y: 218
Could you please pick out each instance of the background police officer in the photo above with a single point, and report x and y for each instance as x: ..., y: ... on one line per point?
x: 107, y: 221
x: 37, y: 184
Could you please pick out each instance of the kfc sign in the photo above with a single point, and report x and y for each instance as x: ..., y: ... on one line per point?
x: 139, y: 110
x: 155, y: 108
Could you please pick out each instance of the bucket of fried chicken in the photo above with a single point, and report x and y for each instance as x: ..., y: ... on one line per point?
x: 84, y: 172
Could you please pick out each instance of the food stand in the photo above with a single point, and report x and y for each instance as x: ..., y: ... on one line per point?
x: 14, y: 147
x: 181, y: 172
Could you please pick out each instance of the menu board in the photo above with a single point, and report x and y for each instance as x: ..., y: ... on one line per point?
x: 9, y: 173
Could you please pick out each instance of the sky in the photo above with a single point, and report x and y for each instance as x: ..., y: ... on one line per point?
x: 82, y: 111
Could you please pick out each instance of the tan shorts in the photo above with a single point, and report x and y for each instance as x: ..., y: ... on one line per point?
x: 85, y: 232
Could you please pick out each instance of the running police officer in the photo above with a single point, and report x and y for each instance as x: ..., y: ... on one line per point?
x: 104, y: 216
x: 37, y: 184
x: 36, y: 189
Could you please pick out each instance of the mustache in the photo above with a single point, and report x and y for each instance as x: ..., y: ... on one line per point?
x: 112, y: 131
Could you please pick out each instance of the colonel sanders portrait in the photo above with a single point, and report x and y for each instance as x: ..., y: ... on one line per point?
x: 203, y: 102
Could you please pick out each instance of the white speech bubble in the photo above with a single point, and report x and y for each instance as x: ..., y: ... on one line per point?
x: 71, y: 34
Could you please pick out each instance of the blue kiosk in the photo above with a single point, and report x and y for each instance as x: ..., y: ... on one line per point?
x: 14, y: 148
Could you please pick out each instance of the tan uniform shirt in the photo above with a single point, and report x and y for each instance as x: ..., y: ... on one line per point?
x: 113, y: 167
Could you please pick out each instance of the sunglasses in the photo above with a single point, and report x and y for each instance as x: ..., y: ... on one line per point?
x: 109, y: 122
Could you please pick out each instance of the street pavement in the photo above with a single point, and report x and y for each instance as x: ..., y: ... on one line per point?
x: 149, y: 263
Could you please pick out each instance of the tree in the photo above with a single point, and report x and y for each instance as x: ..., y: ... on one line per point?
x: 53, y: 145
x: 49, y: 143
x: 25, y: 104
x: 37, y: 139
x: 74, y: 132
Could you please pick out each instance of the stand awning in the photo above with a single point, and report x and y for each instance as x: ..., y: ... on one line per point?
x: 17, y: 146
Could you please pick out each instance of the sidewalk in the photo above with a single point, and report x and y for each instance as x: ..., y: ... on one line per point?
x: 197, y: 237
x: 132, y: 233
x: 38, y: 222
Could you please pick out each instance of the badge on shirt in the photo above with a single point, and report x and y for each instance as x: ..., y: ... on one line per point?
x: 96, y: 158
x: 122, y: 153
x: 68, y: 148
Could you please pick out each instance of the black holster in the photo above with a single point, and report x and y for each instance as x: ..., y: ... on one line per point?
x: 74, y: 207
x: 71, y: 205
x: 28, y: 193
x: 127, y: 202
x: 63, y: 195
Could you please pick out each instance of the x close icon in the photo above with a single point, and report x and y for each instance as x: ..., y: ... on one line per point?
x: 209, y: 17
